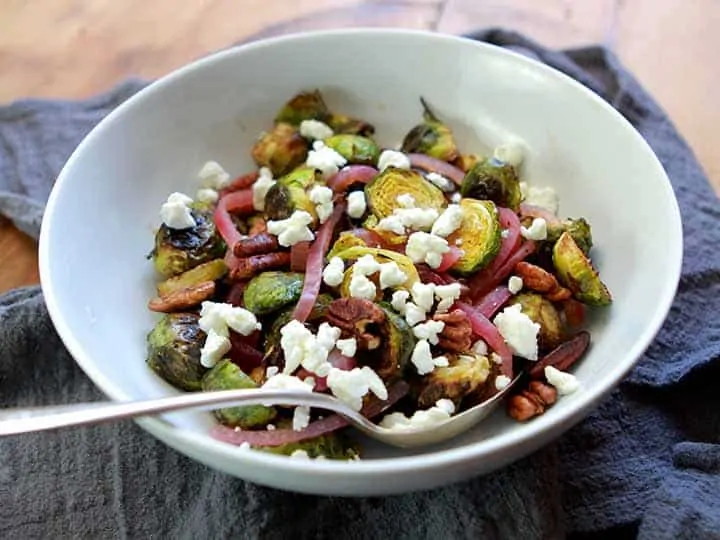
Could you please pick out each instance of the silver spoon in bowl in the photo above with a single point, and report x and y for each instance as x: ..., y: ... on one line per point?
x: 27, y: 420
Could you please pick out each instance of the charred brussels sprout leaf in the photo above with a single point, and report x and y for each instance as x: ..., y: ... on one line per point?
x: 480, y: 235
x: 270, y: 291
x: 382, y: 192
x: 354, y: 148
x: 493, y: 180
x: 398, y: 342
x: 579, y: 229
x: 576, y: 272
x: 177, y: 251
x: 350, y: 126
x: 227, y: 376
x: 304, y: 106
x: 174, y: 350
x: 431, y: 137
x: 543, y: 312
x: 209, y: 271
x: 280, y: 150
x: 290, y: 193
x: 463, y: 376
x: 330, y: 446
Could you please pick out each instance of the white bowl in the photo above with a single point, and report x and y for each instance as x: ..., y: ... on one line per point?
x: 99, y: 222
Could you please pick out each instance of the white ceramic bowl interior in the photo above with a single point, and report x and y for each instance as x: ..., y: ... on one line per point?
x: 101, y: 216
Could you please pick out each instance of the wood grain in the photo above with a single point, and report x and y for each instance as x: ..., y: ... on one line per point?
x: 77, y: 48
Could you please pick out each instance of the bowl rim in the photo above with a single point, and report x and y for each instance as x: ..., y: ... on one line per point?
x: 437, y: 459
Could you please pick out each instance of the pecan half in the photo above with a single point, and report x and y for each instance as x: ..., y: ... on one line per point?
x: 558, y: 295
x: 456, y: 336
x: 258, y: 244
x: 249, y: 266
x: 562, y: 357
x: 184, y: 298
x: 358, y: 318
x: 531, y: 402
x: 536, y: 278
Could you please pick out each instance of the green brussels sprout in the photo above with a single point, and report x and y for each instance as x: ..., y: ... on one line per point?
x: 398, y: 342
x: 479, y: 233
x: 291, y: 192
x: 330, y: 446
x: 382, y: 192
x: 174, y: 350
x: 304, y: 106
x: 493, y: 180
x: 179, y: 250
x: 227, y: 376
x: 541, y: 311
x: 575, y: 271
x: 270, y: 291
x: 209, y: 271
x: 350, y: 126
x: 463, y: 376
x: 579, y: 229
x: 355, y: 148
x: 431, y: 137
x: 280, y: 150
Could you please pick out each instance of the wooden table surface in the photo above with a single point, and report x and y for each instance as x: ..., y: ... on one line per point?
x: 76, y: 48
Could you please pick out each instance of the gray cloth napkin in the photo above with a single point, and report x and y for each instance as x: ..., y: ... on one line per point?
x: 645, y: 463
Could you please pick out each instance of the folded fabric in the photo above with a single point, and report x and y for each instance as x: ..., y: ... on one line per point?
x: 645, y: 463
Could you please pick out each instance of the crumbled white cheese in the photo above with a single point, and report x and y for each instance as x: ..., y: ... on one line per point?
x: 565, y: 383
x: 301, y: 418
x: 270, y: 427
x: 260, y: 188
x: 536, y: 231
x: 427, y: 248
x: 325, y: 159
x: 322, y: 196
x: 362, y: 287
x: 399, y: 299
x: 496, y: 359
x: 440, y: 181
x: 429, y: 330
x: 356, y: 204
x: 405, y: 200
x: 213, y: 175
x: 510, y: 153
x: 392, y: 224
x: 456, y: 198
x: 366, y: 265
x: 347, y: 347
x: 220, y: 317
x: 175, y: 213
x: 413, y: 314
x: 449, y: 221
x: 423, y: 295
x: 301, y: 348
x: 300, y: 454
x: 422, y: 419
x: 480, y: 348
x: 283, y: 381
x: 501, y: 381
x: 271, y: 371
x: 315, y: 130
x: 241, y: 320
x: 292, y: 230
x: 327, y: 336
x: 515, y: 284
x: 352, y: 385
x: 543, y: 197
x: 391, y: 275
x: 447, y: 294
x: 418, y: 219
x: 422, y: 357
x: 214, y: 349
x: 518, y: 331
x: 393, y: 158
x: 207, y: 195
x: 441, y: 361
x: 334, y: 272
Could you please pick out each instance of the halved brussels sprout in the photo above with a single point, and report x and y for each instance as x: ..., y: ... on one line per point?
x: 464, y: 374
x: 304, y: 106
x: 345, y: 240
x: 270, y: 291
x: 290, y: 193
x: 431, y: 137
x: 543, y: 312
x: 495, y: 181
x: 330, y: 446
x: 384, y: 256
x: 209, y: 271
x: 576, y: 272
x: 479, y: 234
x: 579, y: 229
x: 354, y: 148
x: 227, y: 376
x: 351, y: 126
x: 173, y: 351
x: 177, y: 251
x: 382, y: 192
x: 397, y: 346
x: 280, y: 150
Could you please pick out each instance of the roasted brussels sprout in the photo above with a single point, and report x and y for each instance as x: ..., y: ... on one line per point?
x: 579, y: 229
x: 382, y: 192
x: 355, y: 148
x: 397, y: 346
x: 330, y: 446
x: 345, y: 240
x: 495, y: 181
x: 383, y: 256
x: 227, y: 376
x: 463, y: 376
x: 174, y: 350
x: 479, y: 236
x: 177, y: 251
x: 280, y: 150
x: 270, y: 291
x: 304, y: 106
x: 542, y: 311
x: 576, y: 272
x: 351, y: 126
x: 290, y: 193
x: 431, y: 137
x: 209, y: 271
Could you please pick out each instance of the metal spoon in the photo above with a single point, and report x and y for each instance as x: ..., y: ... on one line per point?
x: 27, y: 420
